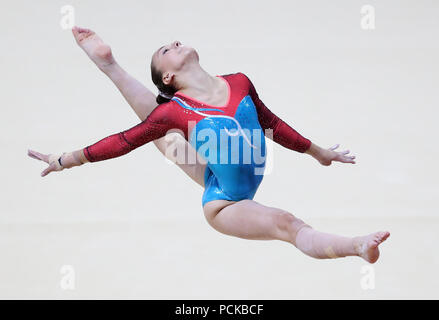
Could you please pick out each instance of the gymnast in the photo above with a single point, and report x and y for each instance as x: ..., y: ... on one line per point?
x: 209, y: 113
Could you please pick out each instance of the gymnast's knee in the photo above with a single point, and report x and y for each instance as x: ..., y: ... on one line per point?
x: 287, y: 222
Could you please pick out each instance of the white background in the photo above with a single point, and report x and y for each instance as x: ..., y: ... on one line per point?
x: 133, y: 227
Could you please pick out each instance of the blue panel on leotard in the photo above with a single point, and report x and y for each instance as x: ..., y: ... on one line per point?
x: 234, y: 169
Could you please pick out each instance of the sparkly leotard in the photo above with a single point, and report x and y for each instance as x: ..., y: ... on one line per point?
x: 231, y: 138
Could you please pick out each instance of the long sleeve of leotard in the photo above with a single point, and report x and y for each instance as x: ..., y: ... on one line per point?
x: 282, y: 132
x: 116, y: 145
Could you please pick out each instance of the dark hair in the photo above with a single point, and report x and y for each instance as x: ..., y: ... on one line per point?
x: 156, y: 76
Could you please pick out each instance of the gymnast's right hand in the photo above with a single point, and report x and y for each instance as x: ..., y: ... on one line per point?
x: 51, y: 159
x: 68, y: 160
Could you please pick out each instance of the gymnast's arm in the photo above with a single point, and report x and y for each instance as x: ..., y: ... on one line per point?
x: 283, y: 134
x: 291, y: 139
x: 124, y: 142
x: 116, y: 145
x: 113, y: 146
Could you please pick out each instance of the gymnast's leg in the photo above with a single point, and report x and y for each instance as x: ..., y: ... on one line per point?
x: 141, y: 100
x: 249, y: 219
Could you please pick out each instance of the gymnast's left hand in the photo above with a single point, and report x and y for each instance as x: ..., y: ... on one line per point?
x: 329, y: 155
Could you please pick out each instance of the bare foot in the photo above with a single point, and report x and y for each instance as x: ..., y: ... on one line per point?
x: 98, y: 51
x: 367, y: 246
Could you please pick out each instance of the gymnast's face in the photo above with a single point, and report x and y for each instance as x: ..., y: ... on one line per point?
x: 172, y: 58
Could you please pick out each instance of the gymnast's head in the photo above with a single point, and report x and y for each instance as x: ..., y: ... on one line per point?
x: 167, y: 63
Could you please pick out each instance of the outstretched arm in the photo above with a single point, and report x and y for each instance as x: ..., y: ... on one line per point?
x: 140, y: 98
x: 115, y: 145
x: 121, y: 143
x: 286, y: 136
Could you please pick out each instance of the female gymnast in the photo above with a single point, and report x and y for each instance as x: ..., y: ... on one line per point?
x: 216, y: 111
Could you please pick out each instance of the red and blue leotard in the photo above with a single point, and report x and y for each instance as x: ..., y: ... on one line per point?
x: 231, y: 138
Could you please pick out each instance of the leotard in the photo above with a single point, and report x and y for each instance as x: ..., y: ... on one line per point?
x: 231, y: 137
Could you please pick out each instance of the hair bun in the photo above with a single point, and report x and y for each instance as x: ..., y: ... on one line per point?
x: 165, y: 95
